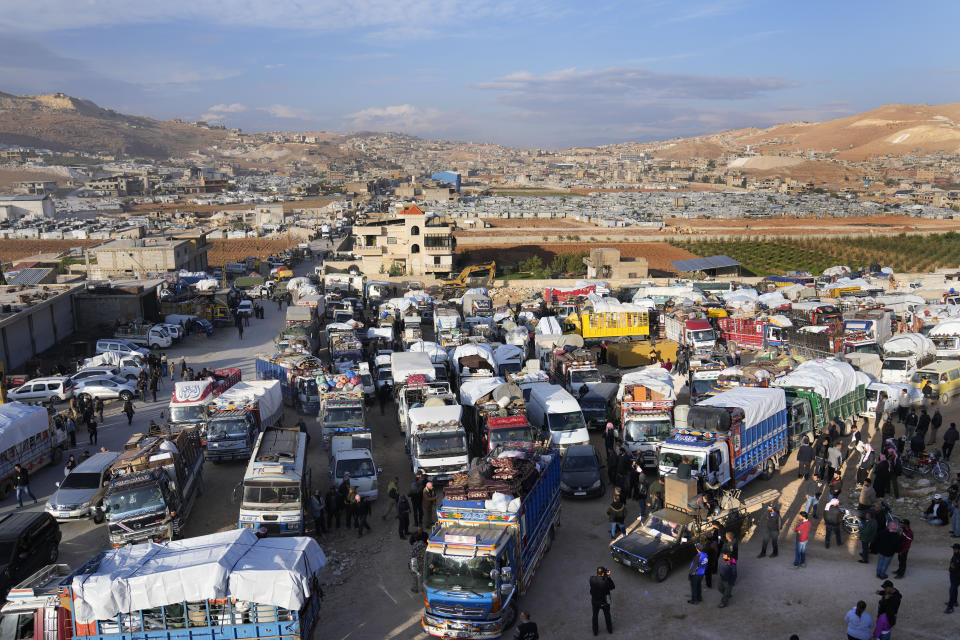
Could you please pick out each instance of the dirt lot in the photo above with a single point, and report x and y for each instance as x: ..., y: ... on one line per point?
x: 658, y: 254
x: 537, y: 223
x: 13, y: 250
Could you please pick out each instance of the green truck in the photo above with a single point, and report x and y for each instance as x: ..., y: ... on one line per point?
x: 818, y: 391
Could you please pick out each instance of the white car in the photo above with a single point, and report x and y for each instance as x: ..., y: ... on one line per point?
x: 95, y: 372
x: 106, y: 388
x: 43, y: 390
x: 245, y: 308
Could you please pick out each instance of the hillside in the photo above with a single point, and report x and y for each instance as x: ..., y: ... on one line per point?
x: 61, y: 123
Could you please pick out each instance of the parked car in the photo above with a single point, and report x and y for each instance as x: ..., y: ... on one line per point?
x: 118, y: 345
x: 384, y: 378
x: 43, y: 390
x: 29, y: 540
x: 94, y: 372
x: 107, y: 388
x: 80, y: 494
x: 580, y: 475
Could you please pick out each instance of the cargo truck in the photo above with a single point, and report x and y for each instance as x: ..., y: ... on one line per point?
x: 276, y: 484
x: 339, y: 409
x: 574, y: 369
x: 351, y: 452
x: 731, y: 438
x: 702, y: 379
x: 28, y: 438
x: 754, y: 333
x: 946, y: 338
x: 191, y: 400
x: 437, y: 442
x: 815, y: 341
x: 483, y: 555
x: 223, y: 585
x: 153, y: 486
x: 904, y: 354
x: 297, y: 373
x: 694, y: 333
x: 816, y: 313
x: 818, y: 391
x: 611, y: 324
x: 646, y: 400
x: 238, y: 416
x: 152, y: 336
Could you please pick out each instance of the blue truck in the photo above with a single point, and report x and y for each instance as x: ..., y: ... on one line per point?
x: 482, y: 554
x: 297, y: 373
x: 731, y: 438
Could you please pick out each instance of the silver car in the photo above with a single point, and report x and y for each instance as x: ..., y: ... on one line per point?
x: 80, y: 495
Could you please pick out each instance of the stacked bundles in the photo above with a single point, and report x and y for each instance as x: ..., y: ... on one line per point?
x: 513, y: 475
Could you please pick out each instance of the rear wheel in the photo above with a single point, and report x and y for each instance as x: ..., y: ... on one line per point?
x: 54, y: 554
x: 126, y: 395
x: 6, y: 489
x: 768, y: 469
x: 944, y: 399
x: 660, y: 571
x: 509, y: 615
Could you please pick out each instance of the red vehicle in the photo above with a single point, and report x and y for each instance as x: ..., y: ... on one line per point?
x: 751, y: 333
x: 553, y: 295
x: 502, y: 429
x: 815, y: 313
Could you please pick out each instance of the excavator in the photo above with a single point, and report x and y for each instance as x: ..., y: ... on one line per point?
x: 455, y: 288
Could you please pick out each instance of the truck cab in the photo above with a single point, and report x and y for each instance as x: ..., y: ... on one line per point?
x: 644, y: 425
x: 698, y: 334
x: 501, y: 430
x: 340, y: 409
x: 553, y: 410
x: 437, y: 441
x: 361, y: 467
x: 702, y: 379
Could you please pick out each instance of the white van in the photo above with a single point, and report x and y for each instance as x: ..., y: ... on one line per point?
x: 123, y: 347
x: 552, y: 409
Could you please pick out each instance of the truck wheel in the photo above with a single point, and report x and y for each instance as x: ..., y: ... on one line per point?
x: 944, y: 399
x: 550, y: 537
x: 509, y: 616
x: 6, y: 489
x: 56, y: 454
x: 98, y: 515
x: 660, y: 571
x: 768, y: 469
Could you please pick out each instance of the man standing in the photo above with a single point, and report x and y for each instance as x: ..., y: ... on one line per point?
x: 316, y: 510
x: 911, y: 423
x: 21, y: 482
x: 417, y: 551
x: 728, y: 576
x: 600, y: 587
x: 889, y: 604
x: 833, y: 518
x: 72, y: 431
x: 416, y: 503
x: 771, y: 531
x: 954, y: 572
x: 834, y: 461
x: 698, y: 567
x: 868, y: 532
x: 888, y: 543
x: 361, y: 511
x: 923, y: 423
x: 154, y: 383
x: 950, y: 438
x: 935, y: 423
x: 813, y: 489
x: 803, y: 533
x: 429, y: 504
x: 393, y: 494
x: 906, y: 539
x: 804, y: 458
x: 526, y: 629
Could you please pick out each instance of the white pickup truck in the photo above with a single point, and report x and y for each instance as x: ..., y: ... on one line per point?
x: 351, y: 452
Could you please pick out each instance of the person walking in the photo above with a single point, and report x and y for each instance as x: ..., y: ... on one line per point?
x: 834, y: 462
x: 728, y: 577
x: 98, y: 407
x: 21, y: 484
x: 698, y: 567
x: 868, y: 533
x: 906, y: 539
x: 393, y: 494
x: 812, y: 489
x: 240, y: 330
x: 881, y: 476
x: 71, y: 427
x: 416, y: 503
x: 361, y: 511
x: 935, y: 423
x: 859, y: 622
x: 923, y: 423
x: 172, y: 367
x: 833, y: 519
x: 183, y: 368
x: 950, y: 437
x: 92, y: 436
x: 154, y: 383
x: 804, y: 458
x: 771, y: 531
x: 403, y: 516
x: 888, y: 543
x: 128, y: 410
x: 609, y: 440
x: 526, y: 629
x: 334, y: 507
x: 429, y: 504
x: 617, y: 513
x: 317, y: 511
x: 953, y: 570
x: 600, y: 587
x: 803, y: 533
x: 890, y: 600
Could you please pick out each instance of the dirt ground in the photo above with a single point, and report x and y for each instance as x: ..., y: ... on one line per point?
x: 658, y: 254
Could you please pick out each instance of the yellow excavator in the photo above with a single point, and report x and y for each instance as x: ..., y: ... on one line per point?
x: 455, y: 288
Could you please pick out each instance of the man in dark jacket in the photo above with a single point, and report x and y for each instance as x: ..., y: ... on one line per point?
x: 770, y: 524
x: 938, y: 513
x: 655, y: 495
x: 950, y: 437
x: 935, y: 423
x: 804, y: 458
x: 923, y: 423
x: 21, y: 483
x: 416, y: 502
x: 888, y: 543
x: 360, y: 513
x: 623, y: 469
x: 868, y: 533
x: 954, y: 571
x: 833, y: 518
x: 917, y: 444
x: 906, y: 539
x: 812, y: 489
x: 600, y: 587
x: 889, y: 604
x: 617, y: 513
x: 911, y: 423
x: 728, y: 577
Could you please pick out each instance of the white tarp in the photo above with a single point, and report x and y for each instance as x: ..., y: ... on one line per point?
x: 664, y: 293
x: 868, y: 364
x: 475, y: 388
x: 612, y: 305
x: 296, y: 283
x: 436, y: 415
x: 206, y: 285
x: 20, y: 422
x: 474, y: 349
x: 844, y: 283
x: 864, y: 379
x: 397, y: 304
x: 105, y: 359
x: 946, y: 328
x: 266, y: 392
x: 653, y: 377
x: 418, y: 296
x: 549, y: 325
x: 384, y: 333
x: 410, y: 363
x: 740, y: 296
x: 780, y: 321
x: 909, y: 343
x: 773, y: 299
x: 476, y: 291
x: 435, y: 351
x: 231, y: 564
x: 504, y: 353
x: 757, y: 403
x: 836, y: 271
x: 828, y: 378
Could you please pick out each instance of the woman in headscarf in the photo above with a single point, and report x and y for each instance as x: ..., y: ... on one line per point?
x: 881, y: 476
x: 866, y: 463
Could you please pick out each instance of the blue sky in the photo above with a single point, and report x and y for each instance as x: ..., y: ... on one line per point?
x: 530, y: 73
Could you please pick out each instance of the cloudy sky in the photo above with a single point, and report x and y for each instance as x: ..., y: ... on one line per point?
x: 547, y: 73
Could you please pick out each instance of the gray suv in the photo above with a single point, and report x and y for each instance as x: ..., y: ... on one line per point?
x: 80, y: 495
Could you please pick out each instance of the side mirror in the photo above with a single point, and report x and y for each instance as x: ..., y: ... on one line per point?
x: 506, y: 589
x: 494, y: 574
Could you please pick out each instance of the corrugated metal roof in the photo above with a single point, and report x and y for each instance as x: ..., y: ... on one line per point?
x: 30, y: 276
x: 702, y: 264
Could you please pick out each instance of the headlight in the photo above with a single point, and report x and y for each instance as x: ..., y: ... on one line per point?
x: 292, y: 526
x: 565, y: 486
x: 596, y: 485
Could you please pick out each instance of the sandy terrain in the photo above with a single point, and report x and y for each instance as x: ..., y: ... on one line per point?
x: 658, y: 254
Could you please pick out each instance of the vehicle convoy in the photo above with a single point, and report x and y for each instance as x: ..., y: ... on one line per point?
x: 557, y: 414
x: 297, y: 373
x: 754, y: 333
x: 946, y: 337
x: 27, y: 437
x: 351, y: 452
x: 437, y: 440
x: 153, y: 486
x: 148, y: 335
x: 820, y: 314
x: 702, y: 379
x: 446, y: 325
x: 610, y: 321
x: 665, y: 539
x: 191, y: 400
x: 730, y: 438
x: 237, y: 417
x: 276, y: 483
x: 573, y: 369
x: 482, y: 556
x: 646, y: 400
x: 818, y: 391
x: 695, y: 333
x: 904, y: 354
x: 223, y: 585
x: 340, y: 409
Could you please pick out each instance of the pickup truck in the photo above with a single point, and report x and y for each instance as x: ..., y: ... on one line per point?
x: 351, y: 451
x: 151, y: 336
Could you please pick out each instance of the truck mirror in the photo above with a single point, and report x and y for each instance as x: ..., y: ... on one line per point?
x: 494, y: 574
x: 506, y: 589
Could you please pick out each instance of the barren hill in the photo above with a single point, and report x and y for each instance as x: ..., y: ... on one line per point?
x: 60, y: 123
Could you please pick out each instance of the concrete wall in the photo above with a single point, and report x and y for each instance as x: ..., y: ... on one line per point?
x: 97, y: 310
x: 36, y: 329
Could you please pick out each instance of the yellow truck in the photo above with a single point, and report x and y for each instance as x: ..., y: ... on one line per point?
x: 609, y: 324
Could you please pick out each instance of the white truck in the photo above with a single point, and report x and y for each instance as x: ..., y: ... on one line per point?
x: 695, y: 333
x: 153, y: 336
x: 904, y: 354
x: 351, y: 452
x: 446, y: 325
x: 437, y: 441
x: 647, y: 399
x: 946, y: 337
x: 553, y: 410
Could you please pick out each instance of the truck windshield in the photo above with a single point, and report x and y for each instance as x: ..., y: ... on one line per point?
x: 892, y: 364
x: 455, y: 573
x: 583, y: 376
x: 646, y: 430
x: 188, y: 413
x: 518, y: 434
x: 672, y: 459
x: 344, y: 415
x: 702, y: 387
x: 81, y: 481
x: 258, y: 493
x: 226, y: 428
x: 356, y: 467
x: 702, y: 335
x: 944, y: 342
x: 142, y: 499
x: 658, y: 527
x: 441, y: 445
x: 566, y: 421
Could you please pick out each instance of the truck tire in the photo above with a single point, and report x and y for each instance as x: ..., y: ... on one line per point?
x: 550, y: 536
x: 98, y: 515
x: 125, y: 395
x: 769, y: 468
x: 54, y: 554
x: 6, y: 489
x: 509, y: 615
x: 660, y: 571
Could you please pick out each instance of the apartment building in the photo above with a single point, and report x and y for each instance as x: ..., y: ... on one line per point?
x: 127, y: 256
x: 411, y: 242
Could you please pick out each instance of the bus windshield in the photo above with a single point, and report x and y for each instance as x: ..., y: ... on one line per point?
x: 273, y: 494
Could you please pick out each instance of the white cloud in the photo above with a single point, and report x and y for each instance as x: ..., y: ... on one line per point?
x: 284, y: 111
x: 404, y: 118
x: 228, y: 108
x: 274, y: 66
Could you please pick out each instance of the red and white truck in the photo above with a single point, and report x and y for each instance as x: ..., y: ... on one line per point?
x: 695, y: 333
x: 192, y: 400
x: 754, y: 333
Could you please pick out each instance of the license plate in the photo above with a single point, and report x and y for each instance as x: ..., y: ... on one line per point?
x: 579, y: 493
x: 627, y: 563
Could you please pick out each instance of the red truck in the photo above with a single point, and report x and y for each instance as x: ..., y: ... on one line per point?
x: 502, y: 429
x: 752, y: 333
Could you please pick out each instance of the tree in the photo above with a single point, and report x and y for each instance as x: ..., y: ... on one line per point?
x: 531, y: 264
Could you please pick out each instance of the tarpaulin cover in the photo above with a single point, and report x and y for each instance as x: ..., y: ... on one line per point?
x: 946, y: 328
x: 909, y: 343
x: 266, y: 392
x: 653, y: 377
x: 828, y: 378
x: 105, y: 359
x: 740, y: 295
x: 504, y: 353
x: 773, y: 299
x: 409, y: 363
x: 869, y: 364
x: 478, y: 291
x: 384, y: 333
x: 296, y: 283
x: 780, y: 321
x: 432, y: 349
x: 232, y: 564
x: 757, y: 403
x: 836, y: 271
x: 20, y: 422
x: 418, y: 296
x: 483, y: 351
x: 425, y: 415
x: 549, y: 325
x: 206, y: 285
x: 475, y: 388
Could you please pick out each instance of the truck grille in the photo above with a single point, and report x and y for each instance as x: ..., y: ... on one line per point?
x: 142, y: 522
x: 459, y: 610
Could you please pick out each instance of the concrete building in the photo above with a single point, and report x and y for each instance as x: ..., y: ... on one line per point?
x: 265, y: 214
x: 412, y: 241
x: 36, y: 187
x: 606, y: 263
x: 118, y: 300
x: 152, y: 255
x: 33, y: 320
x: 119, y: 185
x: 14, y: 207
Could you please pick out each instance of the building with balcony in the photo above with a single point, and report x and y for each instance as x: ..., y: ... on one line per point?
x: 410, y: 242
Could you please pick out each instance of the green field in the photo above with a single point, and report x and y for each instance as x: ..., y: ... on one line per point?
x: 775, y: 256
